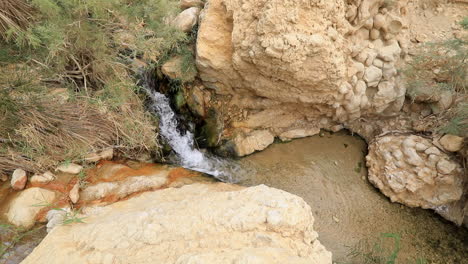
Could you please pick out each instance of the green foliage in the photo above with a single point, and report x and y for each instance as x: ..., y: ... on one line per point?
x: 464, y: 22
x: 438, y: 67
x: 458, y: 122
x: 82, y: 40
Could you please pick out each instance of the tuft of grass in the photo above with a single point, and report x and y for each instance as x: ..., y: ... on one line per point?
x: 464, y: 23
x: 438, y: 67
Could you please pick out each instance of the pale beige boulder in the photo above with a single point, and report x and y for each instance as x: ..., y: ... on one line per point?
x: 255, y: 141
x: 213, y: 223
x: 46, y: 177
x: 412, y: 171
x: 24, y: 208
x: 74, y: 193
x: 184, y: 4
x: 451, y: 142
x: 18, y: 179
x: 106, y: 154
x: 70, y: 168
x: 187, y: 19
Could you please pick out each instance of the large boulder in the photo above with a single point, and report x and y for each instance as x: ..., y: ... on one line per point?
x: 24, y: 208
x: 412, y: 171
x: 200, y: 223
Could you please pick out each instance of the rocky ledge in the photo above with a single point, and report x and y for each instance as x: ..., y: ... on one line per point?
x: 198, y: 223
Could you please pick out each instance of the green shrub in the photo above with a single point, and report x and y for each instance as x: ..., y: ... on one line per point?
x: 438, y: 67
x: 464, y: 22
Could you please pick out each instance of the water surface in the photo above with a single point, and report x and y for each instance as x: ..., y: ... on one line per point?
x: 329, y: 173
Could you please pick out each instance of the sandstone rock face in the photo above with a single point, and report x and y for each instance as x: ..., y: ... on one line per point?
x: 18, y: 179
x: 198, y: 223
x: 22, y: 211
x: 412, y: 171
x: 301, y: 64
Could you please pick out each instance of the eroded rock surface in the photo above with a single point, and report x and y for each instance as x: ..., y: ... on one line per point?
x: 200, y: 223
x: 412, y: 171
x: 300, y: 65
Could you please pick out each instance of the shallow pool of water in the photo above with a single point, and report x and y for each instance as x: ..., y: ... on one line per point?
x: 329, y: 173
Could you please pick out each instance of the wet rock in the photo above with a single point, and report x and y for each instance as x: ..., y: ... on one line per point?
x: 299, y: 133
x: 119, y: 181
x: 255, y: 141
x: 18, y: 179
x: 70, y: 168
x: 24, y: 208
x: 106, y: 154
x: 74, y: 193
x: 56, y: 217
x: 213, y: 223
x: 410, y: 170
x: 46, y: 177
x: 451, y: 142
x: 187, y: 19
x: 184, y: 4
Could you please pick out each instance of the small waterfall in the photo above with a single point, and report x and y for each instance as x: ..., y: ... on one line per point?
x: 183, y: 144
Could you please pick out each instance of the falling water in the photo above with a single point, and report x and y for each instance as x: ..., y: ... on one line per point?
x: 183, y: 144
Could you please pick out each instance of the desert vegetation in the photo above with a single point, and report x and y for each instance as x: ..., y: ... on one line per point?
x: 68, y: 81
x: 438, y: 76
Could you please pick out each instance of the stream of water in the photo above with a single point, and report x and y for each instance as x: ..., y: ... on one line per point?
x: 183, y: 143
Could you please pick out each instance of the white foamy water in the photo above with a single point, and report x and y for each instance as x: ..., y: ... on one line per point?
x: 183, y: 144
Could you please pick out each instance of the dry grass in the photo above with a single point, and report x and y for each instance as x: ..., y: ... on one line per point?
x: 51, y: 131
x: 15, y: 16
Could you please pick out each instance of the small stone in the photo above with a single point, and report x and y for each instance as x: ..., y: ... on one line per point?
x: 374, y: 34
x: 18, y: 179
x: 23, y: 209
x: 378, y: 63
x: 75, y: 193
x: 44, y: 178
x: 107, y: 154
x: 379, y: 21
x: 71, y: 168
x: 432, y: 150
x: 445, y: 167
x: 372, y: 76
x: 451, y: 142
x: 336, y: 219
x: 187, y: 19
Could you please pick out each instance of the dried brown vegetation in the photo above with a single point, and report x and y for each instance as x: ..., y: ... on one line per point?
x: 15, y: 16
